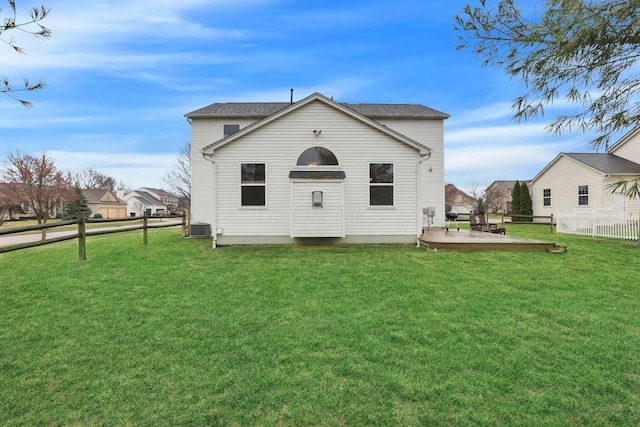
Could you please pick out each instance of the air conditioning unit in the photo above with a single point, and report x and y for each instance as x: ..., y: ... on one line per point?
x: 200, y: 229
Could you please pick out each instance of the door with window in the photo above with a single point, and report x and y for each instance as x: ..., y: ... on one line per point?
x: 317, y: 195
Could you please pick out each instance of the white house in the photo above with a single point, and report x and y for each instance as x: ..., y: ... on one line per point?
x: 575, y: 182
x: 140, y: 202
x: 316, y: 170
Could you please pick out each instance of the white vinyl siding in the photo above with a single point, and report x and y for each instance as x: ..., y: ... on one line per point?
x: 563, y: 179
x: 203, y: 201
x: 280, y: 144
x: 317, y: 221
x: 630, y: 149
x: 355, y: 144
x: 431, y: 172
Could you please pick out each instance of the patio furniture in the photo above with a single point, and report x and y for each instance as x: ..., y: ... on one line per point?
x: 479, y: 223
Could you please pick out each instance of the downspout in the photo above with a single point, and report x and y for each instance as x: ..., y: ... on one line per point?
x: 607, y: 176
x: 419, y: 215
x: 214, y: 218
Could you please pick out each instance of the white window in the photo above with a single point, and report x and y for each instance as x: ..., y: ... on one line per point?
x: 546, y: 197
x: 583, y: 195
x: 253, y: 188
x: 229, y: 129
x: 381, y: 184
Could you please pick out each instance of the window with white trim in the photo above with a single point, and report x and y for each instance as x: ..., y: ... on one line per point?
x: 229, y: 129
x: 253, y: 184
x: 381, y: 183
x: 546, y: 197
x: 317, y: 156
x: 583, y: 195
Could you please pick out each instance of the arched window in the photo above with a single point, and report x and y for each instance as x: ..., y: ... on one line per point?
x: 317, y: 156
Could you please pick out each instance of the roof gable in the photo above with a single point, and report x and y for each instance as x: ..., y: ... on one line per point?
x: 603, y: 163
x: 625, y: 138
x: 103, y: 195
x: 316, y: 97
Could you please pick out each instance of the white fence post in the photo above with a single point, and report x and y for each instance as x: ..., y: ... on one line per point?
x: 599, y: 224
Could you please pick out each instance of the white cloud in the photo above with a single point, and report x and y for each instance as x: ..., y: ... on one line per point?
x: 134, y: 169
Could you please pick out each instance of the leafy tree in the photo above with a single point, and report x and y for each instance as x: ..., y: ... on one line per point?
x: 179, y: 178
x: 91, y: 179
x: 31, y: 26
x: 36, y: 181
x: 78, y: 207
x: 516, y: 203
x: 584, y: 51
x: 526, y: 205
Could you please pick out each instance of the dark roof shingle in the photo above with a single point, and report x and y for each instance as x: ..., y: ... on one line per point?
x: 264, y: 109
x: 606, y: 163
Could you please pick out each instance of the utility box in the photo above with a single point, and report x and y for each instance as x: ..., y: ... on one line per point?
x: 200, y: 230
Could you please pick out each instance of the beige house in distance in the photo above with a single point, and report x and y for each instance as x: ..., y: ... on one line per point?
x: 105, y: 203
x: 581, y: 182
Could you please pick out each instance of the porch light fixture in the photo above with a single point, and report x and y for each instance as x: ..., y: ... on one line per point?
x: 317, y: 132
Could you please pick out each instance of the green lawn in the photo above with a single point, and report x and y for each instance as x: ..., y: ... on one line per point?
x: 176, y: 333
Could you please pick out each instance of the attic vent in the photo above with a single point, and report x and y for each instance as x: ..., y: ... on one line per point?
x: 200, y: 229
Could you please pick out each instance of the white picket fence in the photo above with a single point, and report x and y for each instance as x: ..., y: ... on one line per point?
x: 599, y: 224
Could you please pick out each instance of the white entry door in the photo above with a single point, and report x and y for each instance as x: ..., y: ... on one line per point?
x: 619, y: 205
x: 317, y: 208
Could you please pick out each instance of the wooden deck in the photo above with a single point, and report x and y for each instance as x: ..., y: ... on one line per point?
x: 465, y: 240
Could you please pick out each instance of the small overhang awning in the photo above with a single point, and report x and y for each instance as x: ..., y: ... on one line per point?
x: 317, y: 174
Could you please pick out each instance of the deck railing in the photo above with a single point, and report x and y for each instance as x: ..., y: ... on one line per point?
x: 599, y: 224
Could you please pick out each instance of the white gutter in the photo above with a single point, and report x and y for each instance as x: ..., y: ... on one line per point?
x: 214, y: 187
x: 419, y: 214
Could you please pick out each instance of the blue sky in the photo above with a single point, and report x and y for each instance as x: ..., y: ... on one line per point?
x: 121, y: 74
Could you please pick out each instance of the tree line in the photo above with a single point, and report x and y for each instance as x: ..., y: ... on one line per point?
x: 36, y: 182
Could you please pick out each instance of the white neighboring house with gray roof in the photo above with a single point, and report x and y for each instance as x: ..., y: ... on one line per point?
x: 316, y: 171
x: 580, y: 182
x: 139, y: 202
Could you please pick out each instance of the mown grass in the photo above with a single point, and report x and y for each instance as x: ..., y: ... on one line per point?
x: 176, y: 333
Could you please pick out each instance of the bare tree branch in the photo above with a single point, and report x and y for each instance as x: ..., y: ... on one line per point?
x: 179, y: 178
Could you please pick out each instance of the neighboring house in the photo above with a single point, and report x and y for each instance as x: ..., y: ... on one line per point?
x: 12, y: 208
x: 575, y: 182
x: 140, y: 202
x: 503, y: 194
x: 169, y: 200
x: 106, y: 203
x: 316, y: 168
x: 459, y: 201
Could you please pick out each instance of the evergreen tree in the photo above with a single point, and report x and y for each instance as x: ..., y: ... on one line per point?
x: 78, y: 207
x: 515, y: 203
x: 526, y: 205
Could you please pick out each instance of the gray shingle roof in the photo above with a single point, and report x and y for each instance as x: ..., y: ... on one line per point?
x: 263, y: 109
x: 606, y: 163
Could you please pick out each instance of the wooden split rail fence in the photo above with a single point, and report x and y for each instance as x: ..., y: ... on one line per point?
x: 82, y: 232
